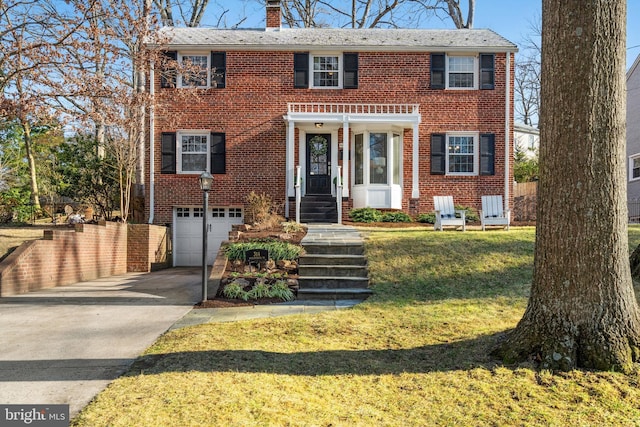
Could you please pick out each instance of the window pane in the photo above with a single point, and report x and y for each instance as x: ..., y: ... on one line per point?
x: 194, y: 153
x: 636, y: 168
x: 378, y: 158
x: 196, y: 75
x: 397, y: 158
x: 325, y: 71
x: 461, y: 154
x: 461, y: 71
x: 194, y: 162
x: 359, y: 160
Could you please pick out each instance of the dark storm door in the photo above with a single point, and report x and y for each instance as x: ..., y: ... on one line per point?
x: 318, y: 163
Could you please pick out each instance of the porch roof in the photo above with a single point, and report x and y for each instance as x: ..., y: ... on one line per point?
x: 406, y: 114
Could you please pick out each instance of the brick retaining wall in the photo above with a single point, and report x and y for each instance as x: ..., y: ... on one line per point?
x: 87, y: 252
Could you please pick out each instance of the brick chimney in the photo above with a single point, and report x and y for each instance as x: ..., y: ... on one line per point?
x: 274, y: 15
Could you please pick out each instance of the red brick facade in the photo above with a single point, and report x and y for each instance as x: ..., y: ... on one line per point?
x: 250, y: 110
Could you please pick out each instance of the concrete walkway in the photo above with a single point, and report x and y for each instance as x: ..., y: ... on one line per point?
x: 64, y: 345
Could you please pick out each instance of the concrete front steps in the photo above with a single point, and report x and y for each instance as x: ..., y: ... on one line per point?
x: 334, y: 267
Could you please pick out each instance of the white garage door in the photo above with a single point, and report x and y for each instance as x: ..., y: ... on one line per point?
x: 187, y: 234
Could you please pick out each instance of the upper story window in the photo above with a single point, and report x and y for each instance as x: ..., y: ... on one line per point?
x: 193, y: 152
x: 450, y: 71
x: 460, y: 72
x: 462, y: 153
x: 193, y: 70
x: 325, y: 71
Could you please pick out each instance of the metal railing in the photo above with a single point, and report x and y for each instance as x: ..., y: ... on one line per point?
x: 323, y: 108
x: 634, y: 211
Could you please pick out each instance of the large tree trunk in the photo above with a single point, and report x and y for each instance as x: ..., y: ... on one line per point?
x: 582, y: 310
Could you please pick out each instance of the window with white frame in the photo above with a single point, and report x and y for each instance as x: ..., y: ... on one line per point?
x: 383, y: 163
x: 462, y: 154
x: 235, y: 212
x: 182, y: 212
x: 197, y: 212
x: 460, y: 71
x: 634, y: 167
x: 193, y: 152
x: 195, y: 70
x: 217, y: 212
x: 326, y: 71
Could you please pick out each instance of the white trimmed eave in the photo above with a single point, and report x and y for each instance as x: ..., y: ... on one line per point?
x: 334, y: 48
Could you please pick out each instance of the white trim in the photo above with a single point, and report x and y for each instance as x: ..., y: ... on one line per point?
x: 507, y: 129
x: 192, y: 132
x: 345, y: 159
x: 290, y: 160
x: 476, y: 153
x: 208, y: 69
x: 476, y: 70
x: 312, y: 71
x: 631, y: 159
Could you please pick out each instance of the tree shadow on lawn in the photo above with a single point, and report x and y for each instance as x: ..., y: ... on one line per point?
x: 459, y: 355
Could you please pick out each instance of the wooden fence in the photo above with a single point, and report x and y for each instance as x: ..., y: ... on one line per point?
x: 525, y: 189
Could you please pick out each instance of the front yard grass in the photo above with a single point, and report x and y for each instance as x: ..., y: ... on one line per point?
x: 414, y: 354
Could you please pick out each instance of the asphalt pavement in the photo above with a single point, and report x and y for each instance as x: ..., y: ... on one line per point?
x: 64, y: 345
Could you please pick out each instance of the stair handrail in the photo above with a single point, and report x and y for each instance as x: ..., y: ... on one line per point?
x: 339, y: 194
x: 297, y: 185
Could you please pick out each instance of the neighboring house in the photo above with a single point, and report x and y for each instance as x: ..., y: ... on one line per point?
x: 633, y: 137
x: 405, y: 114
x: 526, y: 139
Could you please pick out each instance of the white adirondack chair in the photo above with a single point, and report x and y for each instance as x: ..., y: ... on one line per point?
x: 446, y: 213
x: 493, y: 212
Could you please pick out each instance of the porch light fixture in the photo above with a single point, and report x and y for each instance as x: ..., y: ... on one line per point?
x: 205, y: 185
x: 319, y: 125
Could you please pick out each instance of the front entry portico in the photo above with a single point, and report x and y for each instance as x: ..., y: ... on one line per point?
x: 365, y: 149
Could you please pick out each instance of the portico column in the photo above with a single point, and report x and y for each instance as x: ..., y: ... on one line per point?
x: 290, y: 158
x: 345, y: 158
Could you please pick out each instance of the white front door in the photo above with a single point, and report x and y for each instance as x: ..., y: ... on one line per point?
x: 187, y: 235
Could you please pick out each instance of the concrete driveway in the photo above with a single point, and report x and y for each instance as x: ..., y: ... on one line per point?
x: 64, y: 345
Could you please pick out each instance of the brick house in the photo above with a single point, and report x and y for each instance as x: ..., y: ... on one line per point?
x: 400, y: 115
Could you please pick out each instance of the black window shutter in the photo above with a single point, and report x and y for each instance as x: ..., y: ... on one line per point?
x: 301, y: 70
x: 168, y: 72
x: 168, y: 150
x: 218, y: 69
x: 487, y: 79
x: 487, y: 154
x: 438, y: 154
x: 218, y: 153
x: 437, y: 70
x: 350, y: 70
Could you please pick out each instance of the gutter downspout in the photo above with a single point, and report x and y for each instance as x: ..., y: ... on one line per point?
x: 152, y: 180
x: 507, y: 130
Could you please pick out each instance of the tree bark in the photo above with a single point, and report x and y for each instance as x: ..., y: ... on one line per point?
x: 582, y: 311
x: 31, y: 161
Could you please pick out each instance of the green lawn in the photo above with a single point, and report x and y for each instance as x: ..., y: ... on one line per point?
x: 414, y: 354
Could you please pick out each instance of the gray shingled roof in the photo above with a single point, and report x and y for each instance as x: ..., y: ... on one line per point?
x: 337, y: 39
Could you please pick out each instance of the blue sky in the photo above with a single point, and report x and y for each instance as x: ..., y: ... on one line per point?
x: 509, y: 18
